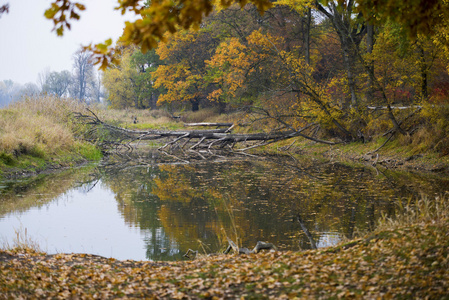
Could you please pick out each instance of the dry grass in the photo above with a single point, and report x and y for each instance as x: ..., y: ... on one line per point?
x: 26, y: 133
x: 416, y: 211
x: 40, y: 127
x: 37, y: 126
x: 199, y: 116
x: 22, y: 243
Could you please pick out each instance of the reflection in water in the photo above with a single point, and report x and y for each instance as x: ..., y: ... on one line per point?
x: 158, y: 212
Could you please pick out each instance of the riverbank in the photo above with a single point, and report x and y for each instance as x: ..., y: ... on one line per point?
x: 408, y: 258
x: 40, y: 135
x: 391, y: 156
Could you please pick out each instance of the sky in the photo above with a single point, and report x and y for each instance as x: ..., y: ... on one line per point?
x: 29, y: 47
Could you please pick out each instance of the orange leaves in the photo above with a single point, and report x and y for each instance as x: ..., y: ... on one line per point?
x: 235, y: 61
x: 183, y: 73
x: 416, y: 269
x: 156, y: 19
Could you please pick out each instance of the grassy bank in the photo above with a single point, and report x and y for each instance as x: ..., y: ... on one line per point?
x: 40, y: 133
x: 406, y: 258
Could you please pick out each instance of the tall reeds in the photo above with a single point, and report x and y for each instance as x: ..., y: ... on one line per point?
x: 422, y: 210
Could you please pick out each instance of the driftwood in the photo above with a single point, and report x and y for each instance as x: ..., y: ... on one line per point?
x: 259, y: 246
x: 191, y: 140
x: 393, y: 107
x: 192, y: 254
x: 209, y: 124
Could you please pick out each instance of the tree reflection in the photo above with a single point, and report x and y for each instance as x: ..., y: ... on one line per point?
x: 198, y: 206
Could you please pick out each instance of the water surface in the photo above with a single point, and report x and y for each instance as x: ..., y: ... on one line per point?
x: 158, y: 212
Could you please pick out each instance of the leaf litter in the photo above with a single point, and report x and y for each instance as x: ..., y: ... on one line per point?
x: 405, y: 262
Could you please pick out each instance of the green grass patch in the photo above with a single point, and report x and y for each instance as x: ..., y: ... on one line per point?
x: 87, y: 151
x: 6, y: 159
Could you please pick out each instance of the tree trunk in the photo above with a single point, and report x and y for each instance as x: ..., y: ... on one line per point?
x: 195, y: 104
x: 424, y: 80
x: 307, y: 36
x: 348, y: 62
x: 349, y: 37
x: 369, y: 48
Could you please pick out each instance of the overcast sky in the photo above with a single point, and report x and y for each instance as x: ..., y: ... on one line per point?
x: 28, y: 46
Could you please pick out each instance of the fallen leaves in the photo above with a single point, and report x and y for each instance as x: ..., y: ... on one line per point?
x: 412, y: 262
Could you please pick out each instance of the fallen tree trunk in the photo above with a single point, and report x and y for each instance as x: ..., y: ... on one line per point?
x: 209, y: 124
x: 208, y: 139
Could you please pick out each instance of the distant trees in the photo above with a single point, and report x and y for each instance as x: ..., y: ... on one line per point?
x: 57, y: 83
x: 83, y: 76
x: 30, y: 89
x: 82, y: 83
x: 8, y: 91
x: 11, y: 91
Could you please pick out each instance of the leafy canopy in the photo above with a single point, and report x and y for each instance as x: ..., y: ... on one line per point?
x: 160, y: 16
x: 156, y: 18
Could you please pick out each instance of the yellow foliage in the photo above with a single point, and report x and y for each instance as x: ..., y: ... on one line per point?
x: 234, y: 61
x: 119, y: 81
x: 181, y: 77
x: 298, y: 5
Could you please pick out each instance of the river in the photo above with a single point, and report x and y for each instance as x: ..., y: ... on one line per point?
x: 158, y: 211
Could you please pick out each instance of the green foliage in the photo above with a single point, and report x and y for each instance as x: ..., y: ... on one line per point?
x: 87, y: 151
x: 130, y: 83
x: 7, y: 158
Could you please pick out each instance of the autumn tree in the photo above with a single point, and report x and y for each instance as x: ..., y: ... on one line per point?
x: 183, y: 69
x: 350, y: 32
x: 119, y: 82
x: 130, y: 83
x: 159, y: 17
x: 241, y: 70
x: 331, y: 83
x: 406, y: 68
